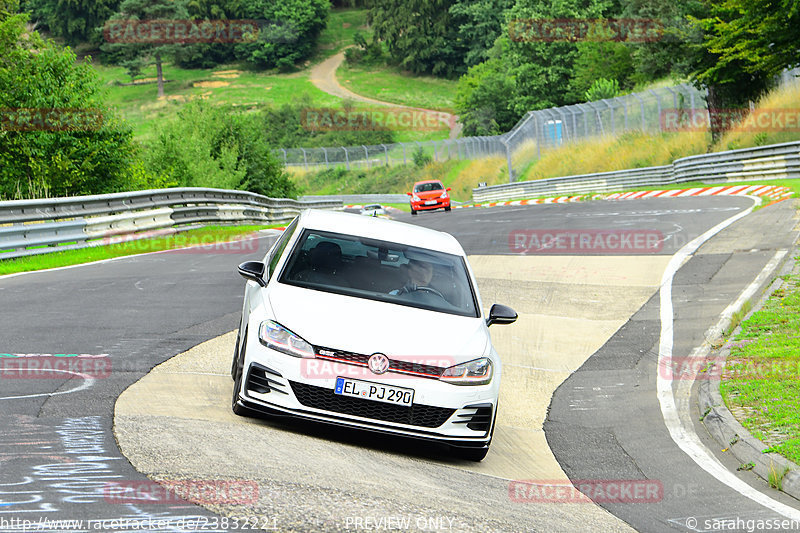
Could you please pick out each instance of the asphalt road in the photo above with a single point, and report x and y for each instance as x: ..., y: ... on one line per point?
x: 58, y: 450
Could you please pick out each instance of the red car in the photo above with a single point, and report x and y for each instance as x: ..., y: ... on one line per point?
x: 429, y: 194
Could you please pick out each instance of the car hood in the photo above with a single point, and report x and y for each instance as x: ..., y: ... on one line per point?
x: 365, y: 326
x: 429, y: 194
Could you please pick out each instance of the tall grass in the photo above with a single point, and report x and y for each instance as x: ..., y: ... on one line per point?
x: 783, y: 104
x: 630, y: 150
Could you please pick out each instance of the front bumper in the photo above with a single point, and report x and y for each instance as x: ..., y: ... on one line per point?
x: 276, y: 384
x: 440, y: 203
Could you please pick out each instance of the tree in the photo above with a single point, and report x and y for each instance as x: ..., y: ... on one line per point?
x: 289, y: 32
x: 76, y: 21
x: 763, y: 36
x: 124, y: 39
x: 420, y: 35
x: 210, y: 146
x: 673, y: 51
x: 482, y: 99
x: 599, y: 56
x: 731, y: 80
x: 543, y: 69
x: 57, y: 137
x: 208, y: 55
x: 479, y: 23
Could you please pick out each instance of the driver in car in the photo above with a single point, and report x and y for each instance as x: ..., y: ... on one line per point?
x: 419, y: 274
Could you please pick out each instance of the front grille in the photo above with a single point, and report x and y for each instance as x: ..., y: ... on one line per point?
x: 481, y: 420
x: 403, y: 367
x: 417, y: 415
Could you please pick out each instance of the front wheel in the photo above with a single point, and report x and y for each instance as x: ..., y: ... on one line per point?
x: 238, y: 372
x: 447, y: 208
x: 414, y: 213
x: 236, y: 353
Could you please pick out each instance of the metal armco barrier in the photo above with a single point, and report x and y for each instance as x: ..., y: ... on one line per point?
x: 777, y: 161
x: 31, y: 227
x: 362, y: 198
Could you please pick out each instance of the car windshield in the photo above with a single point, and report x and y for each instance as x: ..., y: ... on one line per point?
x: 382, y: 271
x: 427, y: 187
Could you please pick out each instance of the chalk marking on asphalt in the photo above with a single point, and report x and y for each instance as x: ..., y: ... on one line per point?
x: 685, y: 438
x: 88, y: 381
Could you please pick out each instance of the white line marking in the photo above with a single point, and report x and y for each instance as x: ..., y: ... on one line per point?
x: 685, y: 437
x: 15, y: 274
x: 88, y: 382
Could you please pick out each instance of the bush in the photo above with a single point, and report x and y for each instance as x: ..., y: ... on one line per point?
x: 290, y: 35
x: 601, y: 89
x: 66, y: 158
x: 365, y: 53
x: 208, y: 146
x: 482, y: 100
x: 421, y: 158
x: 289, y: 126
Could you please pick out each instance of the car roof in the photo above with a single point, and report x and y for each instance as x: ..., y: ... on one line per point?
x: 427, y: 181
x: 381, y: 229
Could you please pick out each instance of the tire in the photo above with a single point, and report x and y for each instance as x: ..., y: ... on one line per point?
x: 236, y: 354
x: 447, y: 208
x: 414, y: 213
x: 238, y: 373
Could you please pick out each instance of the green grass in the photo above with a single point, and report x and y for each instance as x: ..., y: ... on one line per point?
x: 247, y: 88
x: 141, y: 107
x: 762, y: 377
x: 391, y: 85
x: 338, y: 34
x: 207, y: 235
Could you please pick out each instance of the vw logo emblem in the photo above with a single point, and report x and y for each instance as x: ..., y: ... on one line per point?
x: 378, y: 363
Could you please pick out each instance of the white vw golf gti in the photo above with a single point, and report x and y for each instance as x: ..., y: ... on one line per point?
x: 371, y: 324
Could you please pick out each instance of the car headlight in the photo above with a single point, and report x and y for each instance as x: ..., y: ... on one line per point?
x: 277, y: 337
x: 415, y: 198
x: 443, y: 195
x: 477, y: 372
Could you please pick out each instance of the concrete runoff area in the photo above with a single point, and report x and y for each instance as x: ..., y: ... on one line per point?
x: 176, y: 422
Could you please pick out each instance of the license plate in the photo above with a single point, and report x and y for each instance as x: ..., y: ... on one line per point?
x: 430, y: 202
x: 374, y: 391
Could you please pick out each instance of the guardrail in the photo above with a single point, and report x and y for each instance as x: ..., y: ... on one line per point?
x: 777, y: 161
x: 361, y: 198
x: 32, y: 227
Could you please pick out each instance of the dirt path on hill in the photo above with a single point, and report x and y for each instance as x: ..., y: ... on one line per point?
x: 323, y: 76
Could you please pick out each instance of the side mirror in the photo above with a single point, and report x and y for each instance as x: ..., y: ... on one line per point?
x: 254, y: 271
x: 408, y: 193
x: 501, y: 314
x: 449, y: 188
